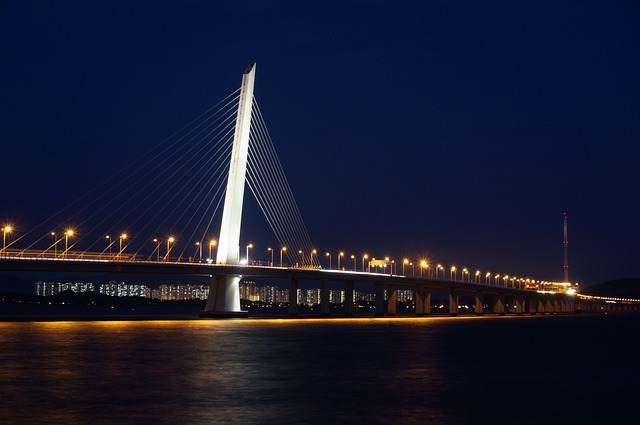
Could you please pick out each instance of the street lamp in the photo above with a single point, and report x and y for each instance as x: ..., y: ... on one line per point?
x: 212, y: 243
x: 248, y: 247
x: 404, y: 262
x: 5, y: 230
x: 465, y: 271
x: 453, y: 270
x: 157, y: 241
x: 477, y: 279
x: 108, y: 238
x: 67, y: 235
x: 199, y: 248
x: 301, y: 257
x: 487, y: 278
x: 271, y: 250
x: 284, y: 248
x: 329, y: 255
x: 423, y: 264
x: 122, y: 237
x: 439, y: 267
x: 55, y: 244
x: 340, y: 255
x: 313, y: 251
x: 497, y: 279
x: 353, y: 257
x: 364, y: 257
x: 169, y: 242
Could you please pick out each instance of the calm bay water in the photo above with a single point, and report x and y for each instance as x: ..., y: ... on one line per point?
x: 522, y: 370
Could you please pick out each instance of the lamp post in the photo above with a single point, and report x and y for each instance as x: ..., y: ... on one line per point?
x: 5, y: 230
x: 271, y: 251
x: 413, y: 269
x: 465, y: 271
x: 353, y: 257
x: 301, y: 257
x: 364, y: 257
x: 169, y: 242
x: 313, y: 251
x: 108, y: 238
x: 212, y: 243
x: 284, y: 248
x: 199, y: 248
x: 122, y: 237
x: 453, y: 270
x: 423, y: 264
x: 248, y: 248
x: 157, y: 241
x: 404, y: 262
x: 328, y: 254
x: 496, y: 279
x: 67, y: 235
x: 340, y: 255
x: 487, y: 278
x: 55, y: 244
x: 477, y: 279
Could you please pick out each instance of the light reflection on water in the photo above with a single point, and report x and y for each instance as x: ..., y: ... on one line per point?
x: 434, y: 371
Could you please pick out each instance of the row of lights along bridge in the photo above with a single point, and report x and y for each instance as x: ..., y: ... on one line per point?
x: 386, y: 265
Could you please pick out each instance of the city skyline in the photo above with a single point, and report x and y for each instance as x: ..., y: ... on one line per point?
x: 460, y: 135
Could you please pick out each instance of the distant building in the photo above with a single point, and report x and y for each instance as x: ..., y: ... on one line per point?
x: 52, y: 288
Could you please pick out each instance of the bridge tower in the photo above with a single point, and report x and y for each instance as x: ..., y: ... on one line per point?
x: 224, y: 290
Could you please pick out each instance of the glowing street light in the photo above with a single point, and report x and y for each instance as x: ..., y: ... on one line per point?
x: 487, y: 278
x: 122, y: 237
x: 439, y: 267
x: 5, y: 230
x: 497, y: 279
x: 108, y: 238
x: 353, y: 257
x: 477, y: 279
x: 364, y: 257
x: 404, y: 263
x: 157, y: 241
x: 328, y: 254
x: 313, y: 251
x: 453, y: 270
x: 301, y: 257
x: 67, y: 235
x: 423, y: 264
x: 340, y: 255
x: 248, y: 248
x: 55, y: 244
x: 212, y: 243
x: 169, y: 242
x: 284, y: 248
x: 271, y: 251
x: 199, y: 248
x: 465, y: 271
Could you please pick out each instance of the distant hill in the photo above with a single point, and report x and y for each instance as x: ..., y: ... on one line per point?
x: 620, y: 288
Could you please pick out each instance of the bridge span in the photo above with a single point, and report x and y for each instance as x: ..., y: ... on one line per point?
x: 497, y: 298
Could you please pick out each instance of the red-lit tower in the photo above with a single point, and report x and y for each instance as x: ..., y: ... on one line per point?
x: 565, y: 244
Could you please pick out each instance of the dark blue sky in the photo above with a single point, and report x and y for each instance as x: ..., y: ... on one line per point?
x: 456, y: 130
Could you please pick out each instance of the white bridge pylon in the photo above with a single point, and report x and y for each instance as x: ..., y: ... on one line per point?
x: 224, y: 290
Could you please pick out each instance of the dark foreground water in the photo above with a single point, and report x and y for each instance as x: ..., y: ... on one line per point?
x: 580, y: 369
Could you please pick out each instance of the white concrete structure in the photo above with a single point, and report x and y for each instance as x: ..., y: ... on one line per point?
x: 224, y: 292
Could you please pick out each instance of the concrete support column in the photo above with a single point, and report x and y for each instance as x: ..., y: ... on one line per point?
x: 479, y: 305
x: 532, y: 304
x: 379, y: 288
x: 293, y: 297
x: 348, y: 298
x: 392, y: 298
x: 453, y: 302
x: 556, y: 307
x: 420, y: 300
x: 325, y: 307
x: 427, y: 300
x: 498, y: 307
x: 548, y: 306
x: 519, y: 304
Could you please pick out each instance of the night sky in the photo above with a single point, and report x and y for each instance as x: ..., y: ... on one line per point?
x: 459, y: 131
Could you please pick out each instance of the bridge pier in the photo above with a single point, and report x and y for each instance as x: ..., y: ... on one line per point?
x: 519, y: 300
x: 348, y: 298
x: 224, y: 298
x: 479, y: 304
x: 379, y: 288
x: 325, y: 307
x: 498, y: 307
x: 453, y: 302
x: 420, y: 290
x: 392, y: 299
x: 293, y: 297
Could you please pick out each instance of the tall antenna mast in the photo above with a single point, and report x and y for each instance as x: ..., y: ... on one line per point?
x: 565, y: 244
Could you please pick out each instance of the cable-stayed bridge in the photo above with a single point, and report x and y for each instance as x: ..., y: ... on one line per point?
x: 206, y: 165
